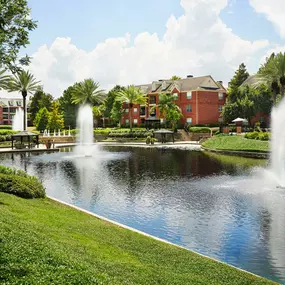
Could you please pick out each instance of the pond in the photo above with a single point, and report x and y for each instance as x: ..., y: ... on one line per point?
x: 216, y: 205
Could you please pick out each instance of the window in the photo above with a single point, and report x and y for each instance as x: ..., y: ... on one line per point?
x: 188, y: 108
x: 189, y: 95
x: 135, y: 121
x: 5, y: 110
x: 127, y: 121
x: 135, y: 110
x: 221, y: 96
x: 142, y: 111
x: 175, y: 96
x: 153, y: 113
x: 19, y: 103
x: 10, y: 103
x: 220, y: 108
x: 127, y: 110
x: 152, y: 100
x: 189, y: 120
x: 5, y: 116
x: 12, y: 110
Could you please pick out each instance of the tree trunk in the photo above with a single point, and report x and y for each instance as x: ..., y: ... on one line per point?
x: 24, y: 94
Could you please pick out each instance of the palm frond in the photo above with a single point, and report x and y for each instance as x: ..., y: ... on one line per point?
x: 4, y: 79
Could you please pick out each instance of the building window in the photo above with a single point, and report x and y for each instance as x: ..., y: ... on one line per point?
x: 19, y: 103
x: 189, y: 120
x: 221, y: 96
x: 142, y: 111
x: 189, y: 95
x: 127, y: 121
x: 175, y: 96
x: 152, y: 100
x: 188, y: 108
x: 153, y: 113
x: 135, y: 110
x: 127, y: 110
x: 220, y: 108
x: 10, y: 103
x: 5, y: 116
x: 12, y: 110
x: 5, y: 110
x: 135, y: 121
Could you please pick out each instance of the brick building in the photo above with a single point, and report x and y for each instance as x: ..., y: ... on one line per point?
x: 8, y: 107
x: 201, y: 100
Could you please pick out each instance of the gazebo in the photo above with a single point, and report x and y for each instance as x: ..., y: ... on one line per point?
x: 23, y: 137
x: 163, y: 134
x: 152, y: 122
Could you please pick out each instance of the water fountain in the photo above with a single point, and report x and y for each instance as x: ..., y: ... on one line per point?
x: 85, y: 140
x: 277, y: 143
x: 18, y: 120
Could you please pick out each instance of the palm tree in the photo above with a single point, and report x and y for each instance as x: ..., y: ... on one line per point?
x: 272, y: 73
x: 87, y: 92
x: 23, y: 82
x: 131, y: 96
x: 3, y: 79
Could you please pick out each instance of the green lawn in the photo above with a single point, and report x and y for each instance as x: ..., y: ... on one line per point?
x: 236, y: 143
x: 44, y: 242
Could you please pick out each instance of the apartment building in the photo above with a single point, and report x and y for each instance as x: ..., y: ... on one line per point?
x: 8, y: 107
x: 201, y: 100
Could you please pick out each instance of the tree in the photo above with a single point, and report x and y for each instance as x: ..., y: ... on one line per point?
x: 87, y: 92
x: 97, y: 111
x: 3, y: 79
x: 272, y: 73
x: 55, y: 121
x: 110, y: 99
x: 42, y: 119
x: 231, y: 111
x: 38, y: 101
x: 240, y: 76
x: 15, y: 25
x: 173, y: 115
x: 175, y: 77
x: 130, y: 96
x: 116, y: 112
x: 166, y: 104
x: 23, y: 82
x: 68, y: 108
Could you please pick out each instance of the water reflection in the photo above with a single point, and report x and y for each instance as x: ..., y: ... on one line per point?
x: 208, y: 203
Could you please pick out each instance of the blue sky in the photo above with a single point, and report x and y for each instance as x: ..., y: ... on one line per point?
x: 136, y: 42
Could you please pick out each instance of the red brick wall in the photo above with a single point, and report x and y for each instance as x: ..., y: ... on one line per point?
x: 1, y: 116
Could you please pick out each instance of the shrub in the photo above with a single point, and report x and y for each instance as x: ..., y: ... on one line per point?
x: 199, y: 130
x: 19, y: 183
x: 258, y: 136
x: 147, y: 141
x: 264, y: 136
x: 5, y: 127
x: 252, y: 135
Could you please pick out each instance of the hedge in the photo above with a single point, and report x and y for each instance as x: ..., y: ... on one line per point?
x: 263, y: 136
x: 199, y: 130
x: 19, y: 183
x: 6, y: 127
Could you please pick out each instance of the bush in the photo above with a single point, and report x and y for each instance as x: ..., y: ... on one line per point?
x: 199, y: 130
x: 5, y: 127
x: 19, y: 183
x: 258, y: 136
x: 7, y: 132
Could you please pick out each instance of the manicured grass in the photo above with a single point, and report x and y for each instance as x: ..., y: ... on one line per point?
x: 44, y: 242
x: 236, y: 143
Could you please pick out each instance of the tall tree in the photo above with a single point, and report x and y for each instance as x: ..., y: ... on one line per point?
x: 175, y: 77
x: 131, y: 96
x: 240, y: 76
x: 87, y: 92
x: 4, y: 78
x: 55, y: 121
x: 117, y: 112
x: 68, y: 108
x: 272, y: 73
x: 15, y: 25
x: 42, y: 119
x: 97, y: 111
x: 23, y: 82
x: 110, y: 99
x: 166, y: 103
x: 38, y: 101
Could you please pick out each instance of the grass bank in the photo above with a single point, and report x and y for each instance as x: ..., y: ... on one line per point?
x: 236, y: 143
x: 44, y: 242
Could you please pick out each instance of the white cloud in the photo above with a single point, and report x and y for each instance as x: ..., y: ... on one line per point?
x: 274, y: 11
x: 197, y: 43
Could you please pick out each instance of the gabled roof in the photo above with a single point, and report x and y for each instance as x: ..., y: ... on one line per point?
x: 186, y: 84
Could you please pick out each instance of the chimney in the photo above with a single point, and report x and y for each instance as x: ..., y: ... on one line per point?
x: 190, y: 76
